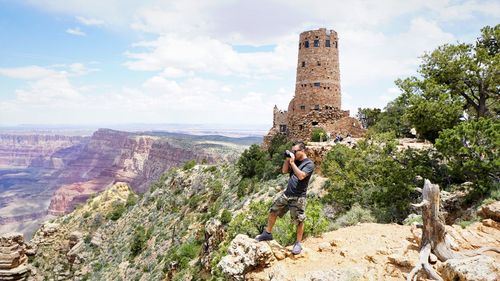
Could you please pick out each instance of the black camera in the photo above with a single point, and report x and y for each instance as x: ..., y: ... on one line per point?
x: 287, y: 154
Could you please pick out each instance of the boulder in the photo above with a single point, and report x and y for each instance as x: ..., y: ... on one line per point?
x: 48, y: 229
x: 245, y: 254
x: 74, y: 238
x: 478, y: 268
x: 491, y: 211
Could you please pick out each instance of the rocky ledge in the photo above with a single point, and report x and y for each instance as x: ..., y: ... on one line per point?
x: 13, y: 257
x: 367, y: 251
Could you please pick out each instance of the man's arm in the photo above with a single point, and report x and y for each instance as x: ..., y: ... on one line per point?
x: 300, y: 174
x: 286, y: 167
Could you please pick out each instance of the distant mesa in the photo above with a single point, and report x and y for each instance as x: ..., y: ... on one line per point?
x: 317, y: 100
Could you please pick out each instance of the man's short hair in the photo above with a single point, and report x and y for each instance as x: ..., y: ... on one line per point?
x: 301, y: 144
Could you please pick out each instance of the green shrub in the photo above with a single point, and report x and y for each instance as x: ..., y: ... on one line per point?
x: 131, y: 200
x: 261, y: 164
x: 211, y: 169
x: 250, y: 222
x: 377, y: 176
x: 354, y: 216
x: 139, y: 240
x: 188, y: 165
x: 413, y: 219
x: 245, y: 186
x: 316, y: 222
x: 252, y: 162
x: 318, y: 134
x: 465, y: 223
x: 118, y: 208
x: 285, y: 231
x: 472, y: 152
x: 87, y: 239
x: 216, y: 187
x: 226, y: 216
x: 183, y: 254
x: 159, y: 204
x: 194, y: 201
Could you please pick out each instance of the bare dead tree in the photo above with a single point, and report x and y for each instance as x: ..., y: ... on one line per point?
x: 434, y: 239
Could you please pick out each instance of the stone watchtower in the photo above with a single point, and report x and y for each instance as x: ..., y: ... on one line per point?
x: 318, y: 72
x: 317, y: 100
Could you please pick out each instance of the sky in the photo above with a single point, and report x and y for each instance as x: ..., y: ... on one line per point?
x: 94, y: 62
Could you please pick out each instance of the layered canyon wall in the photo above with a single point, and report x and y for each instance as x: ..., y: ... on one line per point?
x: 49, y: 175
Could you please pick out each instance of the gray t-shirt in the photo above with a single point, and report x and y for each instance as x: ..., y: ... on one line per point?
x: 298, y: 187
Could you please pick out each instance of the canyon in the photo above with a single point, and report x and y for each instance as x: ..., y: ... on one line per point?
x: 42, y: 176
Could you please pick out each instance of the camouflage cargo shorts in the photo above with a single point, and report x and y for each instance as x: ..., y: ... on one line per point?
x: 296, y: 205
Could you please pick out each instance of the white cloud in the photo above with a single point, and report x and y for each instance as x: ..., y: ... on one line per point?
x: 56, y: 98
x: 370, y: 56
x: 89, y: 21
x: 51, y: 90
x: 33, y: 72
x: 27, y: 72
x: 75, y: 31
x: 176, y: 55
x: 78, y: 69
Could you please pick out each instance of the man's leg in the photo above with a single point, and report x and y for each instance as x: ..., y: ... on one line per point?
x: 271, y: 220
x: 297, y: 210
x: 278, y: 209
x: 300, y: 231
x: 266, y: 233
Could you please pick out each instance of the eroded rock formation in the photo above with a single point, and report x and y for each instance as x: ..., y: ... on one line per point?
x: 13, y: 258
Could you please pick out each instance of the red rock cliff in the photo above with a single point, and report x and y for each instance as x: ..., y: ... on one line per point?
x: 112, y: 156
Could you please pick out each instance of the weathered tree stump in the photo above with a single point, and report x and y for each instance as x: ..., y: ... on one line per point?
x: 434, y: 239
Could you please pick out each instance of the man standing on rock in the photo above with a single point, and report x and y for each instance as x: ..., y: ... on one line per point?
x: 293, y: 198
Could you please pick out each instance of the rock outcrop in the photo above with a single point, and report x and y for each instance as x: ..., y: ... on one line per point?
x: 61, y: 246
x: 491, y: 211
x: 478, y: 268
x: 214, y: 235
x: 13, y: 259
x: 244, y: 255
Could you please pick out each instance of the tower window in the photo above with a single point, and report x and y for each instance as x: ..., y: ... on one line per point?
x: 282, y: 128
x: 319, y: 63
x: 316, y: 107
x: 314, y: 123
x: 301, y: 127
x: 317, y: 84
x: 336, y: 45
x: 300, y: 45
x: 303, y: 64
x: 327, y: 43
x: 302, y: 107
x: 306, y: 44
x: 316, y: 43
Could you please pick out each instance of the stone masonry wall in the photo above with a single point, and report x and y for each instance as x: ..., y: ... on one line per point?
x: 280, y: 118
x: 301, y: 126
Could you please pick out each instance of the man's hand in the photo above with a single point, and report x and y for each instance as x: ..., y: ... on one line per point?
x: 292, y: 158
